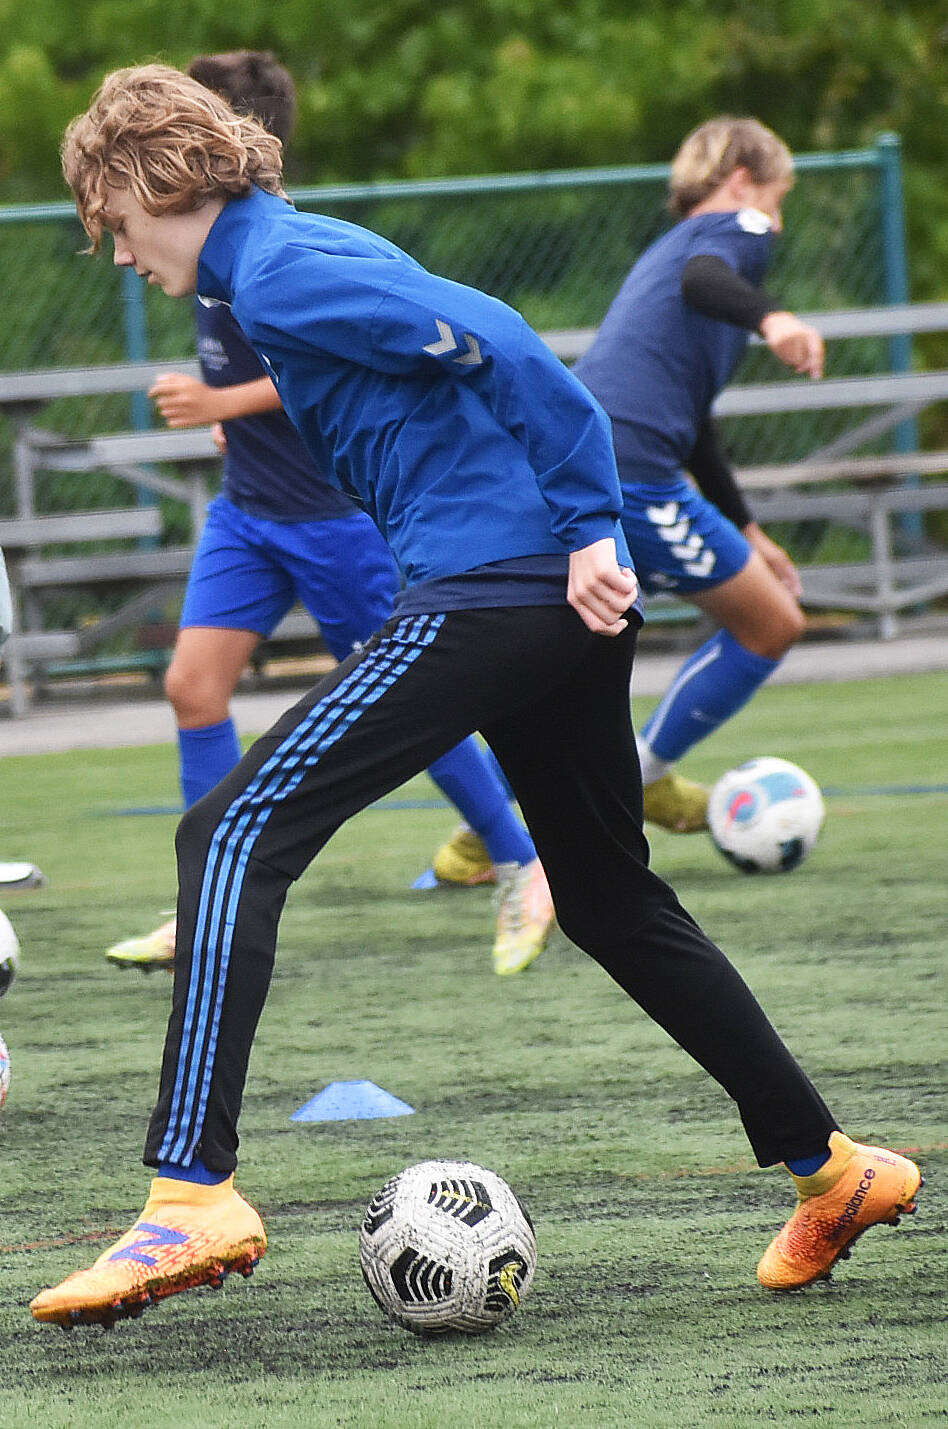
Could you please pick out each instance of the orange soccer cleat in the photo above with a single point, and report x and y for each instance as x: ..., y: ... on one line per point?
x: 859, y: 1187
x: 187, y: 1235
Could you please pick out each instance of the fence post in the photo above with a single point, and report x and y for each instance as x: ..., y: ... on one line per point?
x: 136, y: 350
x: 136, y: 339
x: 896, y: 290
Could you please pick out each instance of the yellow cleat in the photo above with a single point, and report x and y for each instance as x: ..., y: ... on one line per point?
x: 859, y: 1187
x: 187, y: 1235
x: 464, y: 860
x: 525, y: 916
x: 677, y: 804
x: 155, y: 950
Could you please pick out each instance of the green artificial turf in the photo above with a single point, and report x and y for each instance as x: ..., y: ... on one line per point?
x: 650, y: 1214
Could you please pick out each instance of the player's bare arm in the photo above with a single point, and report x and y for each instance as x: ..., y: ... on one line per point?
x: 600, y: 590
x: 187, y: 402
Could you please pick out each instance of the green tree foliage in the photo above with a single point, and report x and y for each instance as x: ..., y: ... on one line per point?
x: 405, y: 89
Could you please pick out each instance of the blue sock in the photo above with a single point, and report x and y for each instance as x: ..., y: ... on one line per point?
x: 197, y: 1172
x: 712, y: 685
x: 205, y: 756
x: 494, y: 765
x: 807, y: 1165
x: 464, y: 776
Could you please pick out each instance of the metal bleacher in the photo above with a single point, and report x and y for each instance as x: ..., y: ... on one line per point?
x: 867, y: 492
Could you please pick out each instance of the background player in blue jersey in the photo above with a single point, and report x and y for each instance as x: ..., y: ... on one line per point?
x: 279, y: 533
x: 667, y: 345
x: 489, y: 469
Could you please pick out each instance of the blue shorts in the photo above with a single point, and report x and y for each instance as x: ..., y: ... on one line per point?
x: 248, y: 572
x: 678, y: 539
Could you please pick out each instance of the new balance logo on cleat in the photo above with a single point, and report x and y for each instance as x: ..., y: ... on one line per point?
x: 155, y: 1236
x: 855, y: 1201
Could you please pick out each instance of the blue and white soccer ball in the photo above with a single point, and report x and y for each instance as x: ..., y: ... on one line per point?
x: 447, y: 1245
x: 9, y: 953
x: 4, y: 1072
x: 766, y: 815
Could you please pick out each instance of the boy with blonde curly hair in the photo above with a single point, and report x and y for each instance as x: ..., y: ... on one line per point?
x: 489, y: 469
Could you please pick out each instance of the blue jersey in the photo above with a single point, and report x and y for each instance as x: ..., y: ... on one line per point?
x: 267, y: 470
x: 657, y: 363
x: 432, y: 404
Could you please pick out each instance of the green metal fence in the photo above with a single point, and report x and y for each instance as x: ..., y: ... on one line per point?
x: 555, y: 245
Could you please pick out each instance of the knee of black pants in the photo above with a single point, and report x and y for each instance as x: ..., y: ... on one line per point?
x: 196, y: 829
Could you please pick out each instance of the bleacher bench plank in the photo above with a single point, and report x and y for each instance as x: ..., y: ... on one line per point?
x: 108, y: 525
x: 170, y: 563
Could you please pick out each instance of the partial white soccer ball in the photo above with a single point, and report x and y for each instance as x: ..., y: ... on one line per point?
x: 766, y: 815
x: 447, y: 1245
x: 4, y: 1072
x: 9, y: 953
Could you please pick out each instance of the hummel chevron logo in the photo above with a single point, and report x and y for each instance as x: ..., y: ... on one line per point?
x: 663, y: 515
x: 153, y: 1238
x: 704, y: 565
x: 448, y: 343
x: 687, y: 550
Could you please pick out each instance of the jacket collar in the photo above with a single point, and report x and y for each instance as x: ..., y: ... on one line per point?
x: 224, y: 243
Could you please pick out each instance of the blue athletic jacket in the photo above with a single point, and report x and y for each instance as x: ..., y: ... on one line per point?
x: 432, y: 404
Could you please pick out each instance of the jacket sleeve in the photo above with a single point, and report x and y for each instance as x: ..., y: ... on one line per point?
x: 711, y: 469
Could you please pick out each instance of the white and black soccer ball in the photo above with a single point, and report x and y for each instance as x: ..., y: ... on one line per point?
x: 447, y: 1245
x: 9, y: 953
x: 4, y: 1071
x: 765, y: 815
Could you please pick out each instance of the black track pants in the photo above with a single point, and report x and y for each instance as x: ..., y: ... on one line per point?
x: 552, y: 700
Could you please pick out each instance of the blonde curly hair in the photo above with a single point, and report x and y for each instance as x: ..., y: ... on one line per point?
x: 711, y: 153
x: 170, y: 141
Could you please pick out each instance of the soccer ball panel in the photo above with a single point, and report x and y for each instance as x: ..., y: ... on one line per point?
x: 447, y: 1245
x: 9, y: 953
x: 4, y: 1071
x: 766, y: 815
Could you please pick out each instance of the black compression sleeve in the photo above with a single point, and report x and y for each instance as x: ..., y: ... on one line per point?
x: 715, y: 289
x: 714, y: 475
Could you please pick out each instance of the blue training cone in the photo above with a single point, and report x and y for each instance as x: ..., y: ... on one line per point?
x: 351, y: 1101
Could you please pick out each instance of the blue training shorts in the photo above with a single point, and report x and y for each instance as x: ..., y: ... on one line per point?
x: 679, y: 540
x: 249, y: 571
